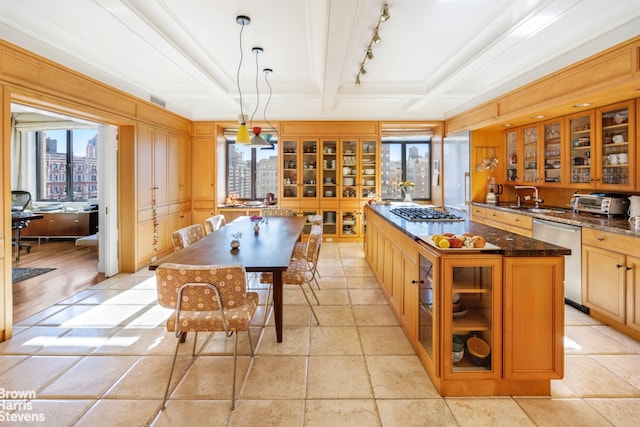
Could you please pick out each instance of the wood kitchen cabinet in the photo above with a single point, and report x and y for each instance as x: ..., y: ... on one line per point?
x: 508, y: 221
x: 299, y: 166
x: 611, y: 278
x: 615, y: 147
x: 520, y: 319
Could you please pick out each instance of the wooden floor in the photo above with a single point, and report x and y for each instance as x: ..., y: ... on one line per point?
x: 76, y: 268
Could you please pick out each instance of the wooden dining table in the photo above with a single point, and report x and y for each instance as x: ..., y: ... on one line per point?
x: 267, y: 251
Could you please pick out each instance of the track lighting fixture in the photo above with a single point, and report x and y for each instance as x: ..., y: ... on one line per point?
x: 243, y: 133
x: 375, y: 39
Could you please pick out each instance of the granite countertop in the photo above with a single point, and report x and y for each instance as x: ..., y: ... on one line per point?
x: 510, y: 244
x: 615, y: 224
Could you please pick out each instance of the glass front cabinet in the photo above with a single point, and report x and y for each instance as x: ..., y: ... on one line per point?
x: 466, y: 331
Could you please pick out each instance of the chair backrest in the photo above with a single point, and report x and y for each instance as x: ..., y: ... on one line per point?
x: 213, y: 223
x: 186, y: 236
x: 20, y: 200
x: 277, y: 212
x: 313, y: 244
x: 229, y: 279
x: 317, y: 220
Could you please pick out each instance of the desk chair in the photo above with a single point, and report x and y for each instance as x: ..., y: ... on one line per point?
x: 206, y: 298
x: 19, y: 202
x: 186, y: 236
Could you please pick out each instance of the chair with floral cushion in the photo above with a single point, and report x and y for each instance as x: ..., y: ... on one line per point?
x: 186, y: 236
x: 276, y: 212
x: 206, y: 298
x: 213, y: 223
x: 300, y: 271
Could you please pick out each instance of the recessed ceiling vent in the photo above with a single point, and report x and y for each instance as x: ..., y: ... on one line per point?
x: 158, y: 101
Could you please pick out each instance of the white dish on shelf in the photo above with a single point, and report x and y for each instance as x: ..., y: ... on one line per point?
x: 460, y: 313
x: 429, y: 241
x: 369, y: 182
x: 348, y: 222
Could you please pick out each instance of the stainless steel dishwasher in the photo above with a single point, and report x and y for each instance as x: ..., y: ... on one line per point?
x: 570, y: 237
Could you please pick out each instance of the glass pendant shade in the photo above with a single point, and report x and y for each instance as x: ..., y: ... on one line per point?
x: 243, y: 135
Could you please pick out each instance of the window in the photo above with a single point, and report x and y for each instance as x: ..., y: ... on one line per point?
x: 252, y: 172
x: 406, y: 159
x: 67, y: 164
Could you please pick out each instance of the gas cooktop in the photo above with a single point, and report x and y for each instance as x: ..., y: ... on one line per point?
x: 424, y: 214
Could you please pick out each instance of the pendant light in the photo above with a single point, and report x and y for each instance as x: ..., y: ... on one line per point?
x: 267, y: 137
x: 257, y: 141
x: 243, y: 133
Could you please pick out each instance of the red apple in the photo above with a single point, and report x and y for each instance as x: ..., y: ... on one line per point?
x: 454, y: 242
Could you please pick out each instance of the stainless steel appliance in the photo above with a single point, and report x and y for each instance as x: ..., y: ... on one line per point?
x: 570, y: 237
x: 600, y: 203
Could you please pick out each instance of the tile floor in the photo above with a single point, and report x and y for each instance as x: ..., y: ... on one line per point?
x: 102, y: 357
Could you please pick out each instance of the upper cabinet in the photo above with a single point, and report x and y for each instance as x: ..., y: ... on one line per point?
x: 359, y: 162
x: 615, y: 155
x: 299, y: 169
x: 589, y: 150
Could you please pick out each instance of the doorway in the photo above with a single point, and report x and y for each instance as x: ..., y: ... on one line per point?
x: 91, y: 188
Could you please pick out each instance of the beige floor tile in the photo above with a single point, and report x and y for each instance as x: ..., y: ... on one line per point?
x: 588, y: 378
x: 561, y: 412
x: 272, y: 413
x: 375, y: 315
x: 41, y: 371
x: 276, y: 377
x: 41, y: 315
x: 626, y: 367
x: 331, y: 270
x: 475, y: 412
x: 132, y: 296
x: 165, y: 345
x: 354, y: 262
x: 131, y: 341
x: 619, y: 412
x: 335, y: 341
x: 74, y: 299
x: 632, y: 344
x: 147, y: 378
x: 332, y: 297
x: 153, y: 316
x: 362, y: 282
x: 120, y: 413
x: 399, y: 377
x: 89, y: 378
x: 560, y: 390
x: 101, y: 296
x: 212, y: 413
x: 592, y: 341
x: 31, y: 340
x: 338, y: 377
x: 93, y: 315
x: 367, y: 297
x: 335, y: 315
x: 68, y: 312
x: 331, y: 282
x: 7, y: 362
x: 211, y: 377
x: 219, y: 343
x: 295, y: 342
x: 379, y: 340
x: 53, y: 412
x: 338, y: 413
x: 415, y: 412
x: 358, y: 271
x: 574, y: 317
x: 78, y: 341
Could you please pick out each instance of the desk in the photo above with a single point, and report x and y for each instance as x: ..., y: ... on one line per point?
x: 269, y: 251
x: 18, y: 220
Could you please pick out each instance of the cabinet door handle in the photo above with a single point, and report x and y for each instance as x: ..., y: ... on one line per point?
x: 619, y: 265
x: 600, y: 239
x: 627, y: 268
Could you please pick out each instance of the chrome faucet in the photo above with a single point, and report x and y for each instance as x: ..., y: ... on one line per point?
x: 536, y: 195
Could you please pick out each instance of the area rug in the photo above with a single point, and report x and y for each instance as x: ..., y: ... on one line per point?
x: 20, y: 274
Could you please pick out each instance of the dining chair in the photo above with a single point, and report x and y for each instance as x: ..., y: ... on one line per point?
x: 206, y: 298
x: 299, y: 272
x: 301, y: 250
x: 213, y: 223
x: 276, y: 212
x: 186, y: 236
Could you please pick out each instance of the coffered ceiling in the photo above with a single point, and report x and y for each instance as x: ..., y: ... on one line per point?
x: 436, y: 58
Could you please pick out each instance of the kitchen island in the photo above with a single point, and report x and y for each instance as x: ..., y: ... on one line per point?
x: 484, y: 322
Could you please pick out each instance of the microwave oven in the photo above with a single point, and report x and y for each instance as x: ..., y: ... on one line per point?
x: 600, y: 203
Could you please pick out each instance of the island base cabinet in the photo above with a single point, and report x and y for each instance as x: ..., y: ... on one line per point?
x: 533, y: 318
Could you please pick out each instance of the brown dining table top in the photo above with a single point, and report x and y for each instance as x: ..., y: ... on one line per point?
x: 270, y: 250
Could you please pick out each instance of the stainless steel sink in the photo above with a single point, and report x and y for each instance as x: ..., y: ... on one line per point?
x: 545, y: 210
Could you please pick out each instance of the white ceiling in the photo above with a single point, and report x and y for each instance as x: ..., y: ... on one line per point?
x: 436, y: 58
